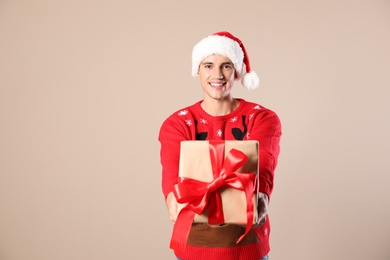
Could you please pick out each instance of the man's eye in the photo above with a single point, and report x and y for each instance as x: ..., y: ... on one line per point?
x: 207, y: 66
x: 228, y: 67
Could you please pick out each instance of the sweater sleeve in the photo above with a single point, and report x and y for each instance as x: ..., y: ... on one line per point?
x: 172, y: 132
x: 267, y: 130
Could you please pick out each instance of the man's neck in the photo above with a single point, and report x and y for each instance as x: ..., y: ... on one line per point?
x: 216, y: 107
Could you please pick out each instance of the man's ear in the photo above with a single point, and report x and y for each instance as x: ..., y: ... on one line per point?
x: 197, y: 73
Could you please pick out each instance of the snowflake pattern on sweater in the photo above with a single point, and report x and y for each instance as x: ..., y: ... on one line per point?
x: 237, y: 125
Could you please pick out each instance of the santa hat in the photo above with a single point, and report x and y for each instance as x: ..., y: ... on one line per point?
x: 224, y: 43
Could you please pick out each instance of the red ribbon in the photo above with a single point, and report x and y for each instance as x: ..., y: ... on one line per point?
x: 198, y: 195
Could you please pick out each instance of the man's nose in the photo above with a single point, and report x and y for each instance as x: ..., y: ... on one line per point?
x: 218, y: 74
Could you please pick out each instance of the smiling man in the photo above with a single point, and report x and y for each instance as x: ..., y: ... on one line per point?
x: 220, y: 60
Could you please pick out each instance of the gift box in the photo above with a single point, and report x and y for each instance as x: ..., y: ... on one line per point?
x: 206, y: 162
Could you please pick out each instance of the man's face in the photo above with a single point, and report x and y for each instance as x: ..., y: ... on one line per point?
x: 216, y: 74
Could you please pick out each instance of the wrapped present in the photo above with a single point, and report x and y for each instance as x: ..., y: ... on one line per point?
x: 196, y: 163
x: 217, y: 182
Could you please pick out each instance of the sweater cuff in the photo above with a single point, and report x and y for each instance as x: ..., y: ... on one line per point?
x: 166, y: 190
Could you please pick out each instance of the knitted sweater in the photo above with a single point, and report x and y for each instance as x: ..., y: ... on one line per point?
x: 249, y: 121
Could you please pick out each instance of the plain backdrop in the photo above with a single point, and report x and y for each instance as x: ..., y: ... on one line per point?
x: 85, y: 86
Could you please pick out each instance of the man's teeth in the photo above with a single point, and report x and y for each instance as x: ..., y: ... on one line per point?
x: 216, y: 84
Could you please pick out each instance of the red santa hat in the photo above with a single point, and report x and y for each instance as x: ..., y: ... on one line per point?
x: 224, y: 43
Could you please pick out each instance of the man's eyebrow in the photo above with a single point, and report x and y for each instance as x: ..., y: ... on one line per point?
x: 223, y: 63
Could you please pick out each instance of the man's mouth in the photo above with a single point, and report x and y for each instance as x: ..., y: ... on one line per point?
x: 217, y: 85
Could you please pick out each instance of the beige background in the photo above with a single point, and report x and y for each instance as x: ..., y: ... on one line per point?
x: 85, y: 85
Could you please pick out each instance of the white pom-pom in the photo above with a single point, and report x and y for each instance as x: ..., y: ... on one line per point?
x: 250, y: 80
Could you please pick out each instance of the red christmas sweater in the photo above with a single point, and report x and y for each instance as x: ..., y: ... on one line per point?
x: 249, y: 121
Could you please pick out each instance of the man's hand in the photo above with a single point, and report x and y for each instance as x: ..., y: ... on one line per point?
x: 262, y: 209
x: 172, y: 207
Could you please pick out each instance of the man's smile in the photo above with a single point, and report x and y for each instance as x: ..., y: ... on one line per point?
x: 217, y: 85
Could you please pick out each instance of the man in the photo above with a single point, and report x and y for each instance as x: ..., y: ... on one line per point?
x: 218, y: 61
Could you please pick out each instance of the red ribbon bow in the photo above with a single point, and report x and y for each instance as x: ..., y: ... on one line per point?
x: 200, y: 194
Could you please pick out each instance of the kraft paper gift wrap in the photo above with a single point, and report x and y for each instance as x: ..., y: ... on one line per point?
x: 195, y: 163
